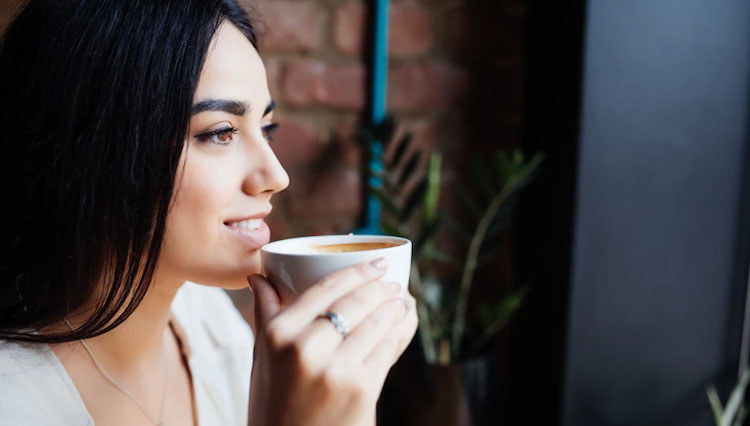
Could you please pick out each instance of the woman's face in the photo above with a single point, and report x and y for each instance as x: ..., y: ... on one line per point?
x: 227, y: 172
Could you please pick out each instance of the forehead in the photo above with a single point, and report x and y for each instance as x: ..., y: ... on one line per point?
x: 233, y: 69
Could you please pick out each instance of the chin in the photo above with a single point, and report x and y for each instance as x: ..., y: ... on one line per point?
x: 238, y: 284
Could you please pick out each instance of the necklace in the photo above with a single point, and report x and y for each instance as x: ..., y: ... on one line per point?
x: 159, y: 422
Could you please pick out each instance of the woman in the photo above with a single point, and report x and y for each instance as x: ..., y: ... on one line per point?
x: 136, y: 162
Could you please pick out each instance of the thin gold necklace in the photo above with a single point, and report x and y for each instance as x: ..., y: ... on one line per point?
x: 159, y: 422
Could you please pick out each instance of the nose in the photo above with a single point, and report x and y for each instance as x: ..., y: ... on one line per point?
x: 265, y: 174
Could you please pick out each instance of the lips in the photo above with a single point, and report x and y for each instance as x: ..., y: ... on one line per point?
x: 251, y: 238
x: 252, y: 231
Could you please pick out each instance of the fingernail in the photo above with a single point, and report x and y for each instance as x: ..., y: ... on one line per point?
x: 392, y: 286
x: 381, y: 264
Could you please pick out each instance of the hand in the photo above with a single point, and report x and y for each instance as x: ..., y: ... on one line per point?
x: 305, y: 372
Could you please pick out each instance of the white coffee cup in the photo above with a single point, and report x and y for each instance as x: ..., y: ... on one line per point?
x: 295, y: 264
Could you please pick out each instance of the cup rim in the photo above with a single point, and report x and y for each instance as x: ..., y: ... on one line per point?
x: 271, y: 247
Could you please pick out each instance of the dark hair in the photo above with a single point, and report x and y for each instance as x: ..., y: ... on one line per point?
x: 95, y: 106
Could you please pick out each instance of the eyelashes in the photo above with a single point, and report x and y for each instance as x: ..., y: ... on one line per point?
x: 220, y: 136
x: 225, y: 135
x: 268, y: 131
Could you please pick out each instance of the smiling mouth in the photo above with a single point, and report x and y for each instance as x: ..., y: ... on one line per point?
x: 250, y: 224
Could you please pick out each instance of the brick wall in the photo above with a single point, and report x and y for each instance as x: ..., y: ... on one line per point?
x: 454, y: 81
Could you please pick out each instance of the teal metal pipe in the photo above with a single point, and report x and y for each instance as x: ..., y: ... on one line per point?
x: 378, y: 80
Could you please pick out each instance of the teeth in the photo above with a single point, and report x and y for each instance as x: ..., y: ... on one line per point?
x: 247, y: 224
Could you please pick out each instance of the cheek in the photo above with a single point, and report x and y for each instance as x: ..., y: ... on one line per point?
x: 195, y: 223
x: 197, y: 246
x: 202, y: 198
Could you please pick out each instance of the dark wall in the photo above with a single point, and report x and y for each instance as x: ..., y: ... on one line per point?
x: 551, y: 97
x: 660, y: 233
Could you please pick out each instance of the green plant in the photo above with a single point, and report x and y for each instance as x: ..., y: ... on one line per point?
x: 411, y: 208
x: 735, y: 413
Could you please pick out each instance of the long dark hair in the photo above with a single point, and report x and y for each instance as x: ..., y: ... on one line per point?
x: 95, y: 102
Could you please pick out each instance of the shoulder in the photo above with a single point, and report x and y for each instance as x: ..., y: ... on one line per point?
x: 33, y: 387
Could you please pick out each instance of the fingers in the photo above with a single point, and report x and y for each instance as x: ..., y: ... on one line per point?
x: 267, y: 302
x: 353, y: 307
x: 380, y: 360
x: 406, y: 329
x: 318, y: 298
x: 374, y: 329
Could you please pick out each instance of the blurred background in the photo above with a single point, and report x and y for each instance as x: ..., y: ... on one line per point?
x: 576, y: 174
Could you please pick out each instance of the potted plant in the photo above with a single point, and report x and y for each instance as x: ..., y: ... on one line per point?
x: 453, y: 341
x: 735, y: 413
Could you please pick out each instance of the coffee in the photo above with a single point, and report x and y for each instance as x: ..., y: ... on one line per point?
x: 296, y: 264
x: 345, y: 248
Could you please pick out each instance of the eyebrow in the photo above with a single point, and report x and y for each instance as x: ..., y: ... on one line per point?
x: 226, y: 105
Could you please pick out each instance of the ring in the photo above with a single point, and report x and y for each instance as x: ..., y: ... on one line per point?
x: 338, y: 321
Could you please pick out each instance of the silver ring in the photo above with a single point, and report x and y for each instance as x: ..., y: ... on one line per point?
x: 339, y: 322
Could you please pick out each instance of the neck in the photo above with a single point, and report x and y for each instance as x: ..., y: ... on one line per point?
x: 138, y: 342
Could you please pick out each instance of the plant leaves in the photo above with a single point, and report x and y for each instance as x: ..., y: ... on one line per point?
x: 391, y: 229
x: 500, y: 224
x: 409, y: 168
x: 432, y: 198
x: 401, y: 148
x: 427, y: 233
x: 432, y: 293
x: 495, y: 317
x: 468, y: 201
x: 716, y: 408
x: 741, y: 416
x: 506, y: 307
x: 520, y: 175
x: 482, y: 178
x: 413, y: 200
x: 488, y: 256
x: 461, y: 231
x: 386, y: 201
x: 736, y: 398
x: 503, y: 166
x: 433, y: 253
x: 384, y: 130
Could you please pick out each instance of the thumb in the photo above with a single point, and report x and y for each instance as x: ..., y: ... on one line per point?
x: 267, y: 301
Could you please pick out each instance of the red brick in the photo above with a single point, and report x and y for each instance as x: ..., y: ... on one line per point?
x: 443, y: 4
x: 296, y: 142
x: 329, y: 226
x: 425, y: 86
x: 454, y: 36
x: 325, y: 191
x: 410, y: 30
x: 424, y: 134
x: 301, y: 81
x: 309, y: 82
x: 349, y: 28
x: 273, y: 74
x: 292, y: 26
x: 344, y: 86
x: 348, y: 150
x: 280, y: 225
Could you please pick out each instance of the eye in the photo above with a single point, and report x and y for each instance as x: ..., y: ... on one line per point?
x: 220, y: 136
x: 268, y: 131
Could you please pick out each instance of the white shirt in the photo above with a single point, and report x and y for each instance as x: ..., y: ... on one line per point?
x: 36, y: 390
